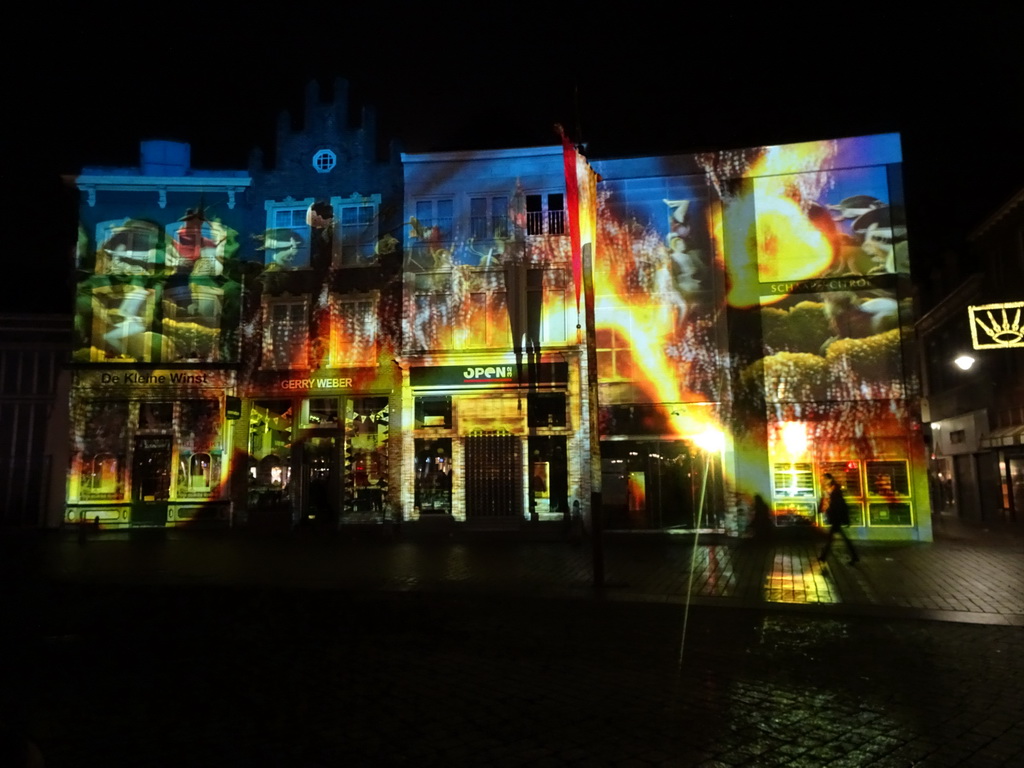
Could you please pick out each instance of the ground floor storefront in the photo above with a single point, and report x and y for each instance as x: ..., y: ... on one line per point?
x: 317, y: 450
x: 871, y: 449
x: 150, y: 448
x: 977, y: 474
x: 490, y: 444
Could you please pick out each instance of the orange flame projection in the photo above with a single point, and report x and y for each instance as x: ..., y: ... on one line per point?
x: 649, y: 327
x: 775, y: 235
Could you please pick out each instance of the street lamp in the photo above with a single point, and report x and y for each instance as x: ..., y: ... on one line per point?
x: 964, y: 362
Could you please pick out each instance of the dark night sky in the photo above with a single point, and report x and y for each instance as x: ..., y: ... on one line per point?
x: 83, y: 88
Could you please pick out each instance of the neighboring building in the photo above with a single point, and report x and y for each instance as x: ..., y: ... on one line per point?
x: 760, y: 299
x: 34, y: 385
x: 156, y: 342
x: 319, y: 384
x: 977, y: 414
x: 236, y: 334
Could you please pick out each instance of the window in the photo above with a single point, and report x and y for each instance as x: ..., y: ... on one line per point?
x: 197, y: 247
x: 270, y: 441
x: 547, y: 288
x: 101, y: 476
x: 366, y: 455
x: 122, y: 316
x: 127, y: 247
x: 431, y: 234
x: 846, y: 474
x: 286, y: 335
x: 158, y: 416
x: 192, y: 321
x: 888, y: 478
x: 488, y: 217
x: 200, y: 472
x: 321, y: 412
x: 545, y: 214
x: 354, y: 329
x: 614, y: 352
x: 436, y: 215
x: 432, y: 467
x: 433, y: 411
x: 286, y: 241
x: 431, y: 321
x: 546, y: 409
x: 103, y: 446
x: 324, y: 161
x: 793, y: 480
x: 485, y: 321
x: 358, y: 234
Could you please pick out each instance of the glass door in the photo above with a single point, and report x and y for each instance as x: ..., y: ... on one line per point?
x: 151, y: 481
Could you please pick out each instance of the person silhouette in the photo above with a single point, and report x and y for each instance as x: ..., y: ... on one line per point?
x: 837, y: 514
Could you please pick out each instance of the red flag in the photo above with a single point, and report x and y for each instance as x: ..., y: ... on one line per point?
x: 572, y: 202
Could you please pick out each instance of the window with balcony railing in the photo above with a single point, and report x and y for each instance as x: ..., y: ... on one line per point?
x: 545, y: 214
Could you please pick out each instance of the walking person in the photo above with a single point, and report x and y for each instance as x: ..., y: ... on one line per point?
x: 837, y: 515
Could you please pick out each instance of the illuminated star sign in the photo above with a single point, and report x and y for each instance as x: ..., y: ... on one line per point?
x: 1000, y: 324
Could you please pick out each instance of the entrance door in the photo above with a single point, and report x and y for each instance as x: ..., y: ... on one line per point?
x: 320, y: 481
x: 151, y: 481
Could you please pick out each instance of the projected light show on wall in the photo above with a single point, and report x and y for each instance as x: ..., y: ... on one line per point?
x: 759, y: 292
x: 658, y: 341
x: 159, y: 293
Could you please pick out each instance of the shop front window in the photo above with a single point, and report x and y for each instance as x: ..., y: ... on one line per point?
x: 102, y: 476
x: 366, y: 456
x: 200, y: 472
x: 270, y: 447
x: 549, y: 478
x: 103, y: 430
x: 322, y: 412
x: 659, y: 484
x: 199, y: 446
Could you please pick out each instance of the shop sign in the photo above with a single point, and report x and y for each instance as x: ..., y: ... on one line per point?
x: 316, y: 382
x: 122, y: 379
x: 487, y: 375
x: 830, y: 284
x: 997, y: 326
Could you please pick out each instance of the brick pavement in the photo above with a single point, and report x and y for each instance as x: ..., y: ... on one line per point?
x: 199, y: 650
x: 252, y: 676
x: 967, y: 575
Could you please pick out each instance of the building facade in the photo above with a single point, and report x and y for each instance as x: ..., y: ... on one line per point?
x: 156, y: 345
x: 758, y: 300
x: 493, y: 373
x: 749, y: 332
x: 976, y: 412
x: 496, y: 338
x: 319, y: 385
x: 236, y: 333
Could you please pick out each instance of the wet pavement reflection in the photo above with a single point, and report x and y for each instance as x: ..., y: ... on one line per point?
x: 795, y: 578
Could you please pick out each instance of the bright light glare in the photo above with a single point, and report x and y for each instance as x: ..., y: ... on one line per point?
x: 711, y: 440
x: 964, y: 362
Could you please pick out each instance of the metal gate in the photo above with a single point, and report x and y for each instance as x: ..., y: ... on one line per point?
x: 494, y: 477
